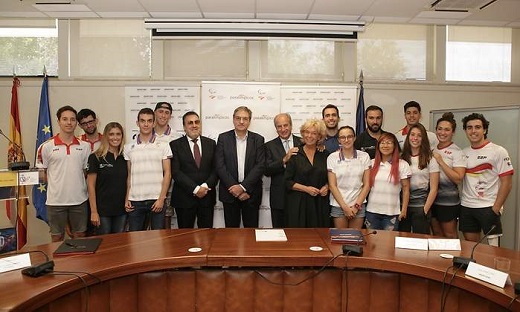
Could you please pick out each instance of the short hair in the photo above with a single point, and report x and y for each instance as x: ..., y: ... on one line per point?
x: 84, y: 113
x: 412, y: 104
x: 316, y: 123
x: 245, y: 109
x: 190, y: 113
x: 64, y: 109
x: 373, y: 108
x: 476, y: 116
x: 280, y: 115
x: 448, y: 117
x: 145, y: 111
x: 329, y: 106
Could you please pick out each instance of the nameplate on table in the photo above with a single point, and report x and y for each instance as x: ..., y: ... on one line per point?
x: 15, y: 262
x: 488, y: 275
x: 443, y: 244
x: 411, y: 243
x: 270, y: 235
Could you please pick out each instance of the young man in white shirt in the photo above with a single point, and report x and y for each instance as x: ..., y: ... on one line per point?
x: 149, y: 175
x: 487, y: 182
x: 64, y: 159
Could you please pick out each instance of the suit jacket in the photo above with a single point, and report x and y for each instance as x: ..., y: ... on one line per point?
x: 187, y: 176
x: 226, y: 164
x: 274, y: 152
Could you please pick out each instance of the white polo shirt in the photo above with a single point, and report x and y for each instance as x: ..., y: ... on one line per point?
x: 485, y: 166
x: 420, y: 181
x: 65, y: 166
x: 448, y: 194
x: 384, y: 194
x: 146, y: 159
x: 349, y: 174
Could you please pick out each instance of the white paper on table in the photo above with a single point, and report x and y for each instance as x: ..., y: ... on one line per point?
x: 15, y: 262
x: 443, y: 244
x: 270, y: 235
x: 488, y: 275
x: 411, y: 243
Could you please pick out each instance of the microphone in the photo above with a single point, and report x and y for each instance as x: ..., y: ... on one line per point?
x: 356, y: 250
x: 463, y: 262
x: 16, y: 165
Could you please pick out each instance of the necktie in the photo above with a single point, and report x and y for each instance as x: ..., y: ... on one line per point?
x: 286, y: 145
x: 196, y: 152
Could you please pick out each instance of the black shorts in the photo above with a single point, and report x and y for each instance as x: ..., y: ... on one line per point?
x: 474, y: 220
x: 445, y: 213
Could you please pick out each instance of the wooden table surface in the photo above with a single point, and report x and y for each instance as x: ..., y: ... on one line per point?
x: 136, y: 252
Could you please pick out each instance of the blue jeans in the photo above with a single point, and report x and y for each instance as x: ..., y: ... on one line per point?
x: 109, y: 225
x: 376, y: 221
x: 138, y: 216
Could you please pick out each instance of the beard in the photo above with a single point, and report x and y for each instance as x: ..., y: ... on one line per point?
x: 374, y: 127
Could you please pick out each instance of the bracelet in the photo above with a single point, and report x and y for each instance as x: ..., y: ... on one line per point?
x: 357, y: 206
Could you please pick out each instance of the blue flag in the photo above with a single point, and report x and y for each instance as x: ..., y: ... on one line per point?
x: 44, y: 132
x: 360, y: 112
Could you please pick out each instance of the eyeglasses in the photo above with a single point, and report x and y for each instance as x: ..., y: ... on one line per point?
x: 348, y: 137
x: 87, y: 123
x: 386, y: 142
x: 237, y: 118
x: 194, y: 122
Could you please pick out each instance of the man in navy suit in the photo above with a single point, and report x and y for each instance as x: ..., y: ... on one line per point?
x: 240, y: 163
x: 193, y: 171
x: 278, y: 151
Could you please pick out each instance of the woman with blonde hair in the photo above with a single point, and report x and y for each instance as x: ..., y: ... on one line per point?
x: 106, y: 182
x: 307, y: 203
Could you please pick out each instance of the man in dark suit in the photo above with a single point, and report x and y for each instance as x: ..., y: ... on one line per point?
x: 193, y: 171
x: 240, y: 163
x: 278, y: 151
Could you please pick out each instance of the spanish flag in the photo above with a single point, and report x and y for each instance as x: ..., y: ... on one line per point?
x: 15, y: 154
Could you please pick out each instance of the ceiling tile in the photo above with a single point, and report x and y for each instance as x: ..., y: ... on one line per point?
x: 341, y: 7
x: 227, y: 6
x: 284, y: 6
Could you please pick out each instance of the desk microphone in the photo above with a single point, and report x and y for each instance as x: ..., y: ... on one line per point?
x: 463, y: 262
x: 356, y: 250
x: 16, y: 165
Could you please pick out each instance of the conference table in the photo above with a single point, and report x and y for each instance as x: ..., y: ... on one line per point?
x: 228, y: 270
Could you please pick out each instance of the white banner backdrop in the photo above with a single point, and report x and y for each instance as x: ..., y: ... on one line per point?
x: 218, y: 101
x: 182, y: 99
x: 305, y: 102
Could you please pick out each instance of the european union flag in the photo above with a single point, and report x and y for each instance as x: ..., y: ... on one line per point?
x: 360, y: 111
x: 44, y: 132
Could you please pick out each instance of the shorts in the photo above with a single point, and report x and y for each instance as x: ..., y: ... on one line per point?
x: 445, y: 213
x: 474, y: 220
x: 75, y: 215
x: 337, y: 212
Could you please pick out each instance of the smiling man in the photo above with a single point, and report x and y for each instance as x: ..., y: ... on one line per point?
x: 64, y: 159
x: 412, y: 115
x: 330, y: 115
x: 487, y: 182
x: 240, y: 164
x: 193, y: 170
x: 278, y: 151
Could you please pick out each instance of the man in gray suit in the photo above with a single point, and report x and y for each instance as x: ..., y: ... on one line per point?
x: 278, y: 151
x: 240, y: 164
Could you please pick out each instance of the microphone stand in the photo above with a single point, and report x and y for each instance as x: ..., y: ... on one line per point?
x: 16, y: 165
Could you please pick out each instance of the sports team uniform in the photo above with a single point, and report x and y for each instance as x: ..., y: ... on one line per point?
x: 485, y: 165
